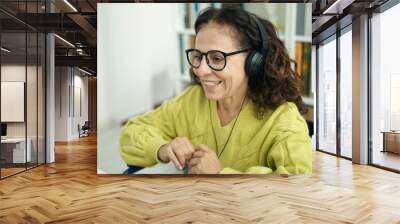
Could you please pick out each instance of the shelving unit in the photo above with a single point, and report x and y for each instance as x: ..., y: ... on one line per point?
x: 295, y: 33
x: 188, y: 13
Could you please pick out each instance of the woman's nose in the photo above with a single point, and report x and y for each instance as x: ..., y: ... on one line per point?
x: 203, y: 69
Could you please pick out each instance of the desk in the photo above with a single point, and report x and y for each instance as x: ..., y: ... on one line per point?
x: 16, y: 147
x: 391, y: 141
x: 160, y: 168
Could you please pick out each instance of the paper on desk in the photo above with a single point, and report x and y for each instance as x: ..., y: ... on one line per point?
x: 161, y: 168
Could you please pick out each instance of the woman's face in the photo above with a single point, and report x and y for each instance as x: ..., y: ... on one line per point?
x: 232, y: 80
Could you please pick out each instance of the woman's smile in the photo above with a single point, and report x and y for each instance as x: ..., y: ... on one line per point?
x: 211, y: 85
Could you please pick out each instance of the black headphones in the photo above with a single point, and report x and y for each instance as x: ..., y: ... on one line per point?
x: 254, y: 65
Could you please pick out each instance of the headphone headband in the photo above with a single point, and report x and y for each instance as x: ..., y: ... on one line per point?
x: 263, y: 33
x: 255, y: 61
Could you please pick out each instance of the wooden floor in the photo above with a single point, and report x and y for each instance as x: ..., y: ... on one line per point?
x: 70, y: 191
x: 387, y: 159
x: 10, y: 171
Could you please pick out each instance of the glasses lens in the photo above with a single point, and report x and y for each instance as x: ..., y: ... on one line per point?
x: 216, y: 60
x: 194, y: 58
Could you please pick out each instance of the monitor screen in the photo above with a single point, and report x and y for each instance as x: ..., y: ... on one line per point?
x: 3, y: 129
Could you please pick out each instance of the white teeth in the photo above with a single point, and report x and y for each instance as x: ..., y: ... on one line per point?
x: 210, y: 82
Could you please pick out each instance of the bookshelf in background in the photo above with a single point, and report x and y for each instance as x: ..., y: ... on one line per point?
x: 188, y: 13
x: 302, y: 42
x: 293, y: 24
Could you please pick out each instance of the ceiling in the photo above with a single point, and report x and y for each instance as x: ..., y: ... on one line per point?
x: 76, y: 22
x: 330, y: 15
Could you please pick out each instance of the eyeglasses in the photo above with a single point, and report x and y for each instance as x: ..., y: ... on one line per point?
x: 215, y: 59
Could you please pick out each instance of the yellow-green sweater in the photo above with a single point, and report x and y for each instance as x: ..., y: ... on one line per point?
x: 277, y: 143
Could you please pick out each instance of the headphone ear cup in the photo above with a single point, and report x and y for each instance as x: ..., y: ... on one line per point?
x: 254, y: 66
x: 248, y: 66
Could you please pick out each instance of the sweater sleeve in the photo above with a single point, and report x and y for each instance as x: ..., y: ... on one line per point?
x: 250, y: 170
x: 291, y: 155
x: 142, y: 136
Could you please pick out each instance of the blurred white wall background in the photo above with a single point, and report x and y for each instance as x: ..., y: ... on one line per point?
x: 137, y: 61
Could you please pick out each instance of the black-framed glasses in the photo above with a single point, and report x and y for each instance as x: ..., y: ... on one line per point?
x: 215, y: 59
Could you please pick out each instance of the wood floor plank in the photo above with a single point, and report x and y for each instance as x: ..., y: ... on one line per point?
x: 70, y: 191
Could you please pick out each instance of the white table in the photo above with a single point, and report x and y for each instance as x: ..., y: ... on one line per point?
x: 160, y: 168
x: 19, y: 149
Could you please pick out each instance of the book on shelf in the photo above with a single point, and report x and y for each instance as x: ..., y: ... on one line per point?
x: 186, y: 15
x: 192, y: 10
x: 181, y: 53
x: 191, y: 41
x: 303, y: 64
x: 185, y: 42
x: 306, y: 66
x: 299, y: 58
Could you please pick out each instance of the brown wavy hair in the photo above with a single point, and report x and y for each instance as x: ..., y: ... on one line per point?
x: 280, y: 83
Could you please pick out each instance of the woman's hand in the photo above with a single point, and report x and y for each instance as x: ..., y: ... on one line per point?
x: 204, y: 161
x: 178, y: 151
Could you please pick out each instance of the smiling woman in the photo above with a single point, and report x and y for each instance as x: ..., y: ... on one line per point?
x: 241, y: 115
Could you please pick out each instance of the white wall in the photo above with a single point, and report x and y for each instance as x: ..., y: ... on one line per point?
x: 67, y: 81
x: 80, y: 83
x: 61, y: 103
x: 137, y: 60
x: 12, y: 101
x: 12, y: 73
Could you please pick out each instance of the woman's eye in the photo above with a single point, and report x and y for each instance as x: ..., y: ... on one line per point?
x: 217, y: 59
x: 197, y: 58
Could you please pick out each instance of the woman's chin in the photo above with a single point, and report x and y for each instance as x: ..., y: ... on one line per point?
x: 213, y: 93
x: 213, y: 96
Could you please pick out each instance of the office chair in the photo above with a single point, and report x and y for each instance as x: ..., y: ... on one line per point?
x: 310, y: 126
x: 132, y: 169
x: 84, y: 130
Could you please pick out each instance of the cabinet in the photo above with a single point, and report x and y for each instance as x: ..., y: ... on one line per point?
x: 391, y: 141
x: 13, y: 151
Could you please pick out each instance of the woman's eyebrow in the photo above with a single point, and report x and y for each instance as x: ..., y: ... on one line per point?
x: 214, y: 49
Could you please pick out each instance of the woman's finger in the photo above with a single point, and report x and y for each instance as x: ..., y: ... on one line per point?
x: 189, y: 148
x: 194, y: 162
x: 202, y: 147
x: 179, y: 150
x: 186, y: 147
x: 180, y: 155
x: 198, y: 154
x: 173, y: 158
x: 194, y: 170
